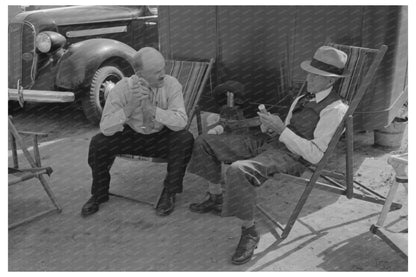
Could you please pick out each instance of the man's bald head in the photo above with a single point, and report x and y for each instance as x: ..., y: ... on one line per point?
x: 147, y: 56
x: 150, y: 65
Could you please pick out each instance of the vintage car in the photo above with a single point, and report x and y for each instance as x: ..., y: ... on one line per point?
x: 76, y: 53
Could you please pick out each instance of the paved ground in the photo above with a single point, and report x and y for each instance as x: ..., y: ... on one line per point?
x: 332, y: 233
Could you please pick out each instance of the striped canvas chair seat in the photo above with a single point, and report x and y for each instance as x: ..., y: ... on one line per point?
x: 193, y: 76
x: 358, y: 63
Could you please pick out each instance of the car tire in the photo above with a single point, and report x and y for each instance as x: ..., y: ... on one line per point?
x: 13, y: 107
x: 104, y: 79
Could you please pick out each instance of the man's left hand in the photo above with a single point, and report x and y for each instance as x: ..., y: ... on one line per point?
x: 273, y: 122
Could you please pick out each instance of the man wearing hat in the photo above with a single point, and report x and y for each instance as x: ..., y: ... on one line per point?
x: 289, y: 145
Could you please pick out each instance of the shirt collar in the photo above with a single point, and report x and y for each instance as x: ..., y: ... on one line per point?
x: 319, y: 96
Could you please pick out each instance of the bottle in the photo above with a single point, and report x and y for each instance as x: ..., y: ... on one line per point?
x: 262, y: 109
x: 148, y: 123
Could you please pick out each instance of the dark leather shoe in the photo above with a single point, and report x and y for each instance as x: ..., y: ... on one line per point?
x: 93, y: 204
x: 245, y: 249
x: 212, y: 204
x: 166, y: 203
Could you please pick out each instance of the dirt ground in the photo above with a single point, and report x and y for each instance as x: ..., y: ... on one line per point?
x: 331, y: 234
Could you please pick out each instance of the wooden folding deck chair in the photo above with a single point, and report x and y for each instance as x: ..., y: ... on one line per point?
x: 17, y: 175
x: 193, y: 76
x: 398, y: 241
x: 361, y: 66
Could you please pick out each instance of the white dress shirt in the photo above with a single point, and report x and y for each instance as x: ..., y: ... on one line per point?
x: 170, y: 109
x: 330, y: 117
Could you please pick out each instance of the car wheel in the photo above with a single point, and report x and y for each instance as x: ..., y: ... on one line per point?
x: 103, y: 81
x: 13, y: 107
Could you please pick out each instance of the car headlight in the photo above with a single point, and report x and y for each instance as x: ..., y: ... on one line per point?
x: 49, y: 41
x: 43, y: 43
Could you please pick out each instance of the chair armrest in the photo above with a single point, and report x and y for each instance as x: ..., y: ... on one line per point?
x: 241, y: 123
x: 28, y: 133
x: 198, y: 119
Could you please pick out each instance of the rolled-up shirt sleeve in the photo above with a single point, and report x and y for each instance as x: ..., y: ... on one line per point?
x: 313, y: 150
x: 174, y: 117
x: 114, y: 116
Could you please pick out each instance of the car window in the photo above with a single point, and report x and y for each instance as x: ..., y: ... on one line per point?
x: 153, y: 9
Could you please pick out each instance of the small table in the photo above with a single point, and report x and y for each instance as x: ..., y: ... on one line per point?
x: 396, y: 240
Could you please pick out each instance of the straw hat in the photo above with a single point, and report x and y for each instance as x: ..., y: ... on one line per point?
x: 327, y: 61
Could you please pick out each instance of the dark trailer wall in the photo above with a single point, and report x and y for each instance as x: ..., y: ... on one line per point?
x: 262, y: 47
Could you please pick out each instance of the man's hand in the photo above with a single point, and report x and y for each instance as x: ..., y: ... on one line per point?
x: 271, y: 122
x: 147, y: 106
x: 140, y: 90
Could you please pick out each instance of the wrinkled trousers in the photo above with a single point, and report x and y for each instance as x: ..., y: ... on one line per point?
x: 176, y: 147
x: 253, y: 160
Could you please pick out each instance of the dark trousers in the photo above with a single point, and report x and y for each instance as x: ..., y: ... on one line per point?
x: 176, y: 147
x: 253, y: 160
x: 210, y: 151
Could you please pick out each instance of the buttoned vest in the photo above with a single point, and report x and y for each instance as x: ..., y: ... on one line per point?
x: 305, y: 117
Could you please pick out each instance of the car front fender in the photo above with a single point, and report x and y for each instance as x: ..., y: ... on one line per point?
x: 79, y: 63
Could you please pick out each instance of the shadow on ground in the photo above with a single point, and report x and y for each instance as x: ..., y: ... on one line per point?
x: 332, y: 233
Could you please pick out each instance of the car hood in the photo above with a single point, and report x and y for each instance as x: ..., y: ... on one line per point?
x: 82, y: 14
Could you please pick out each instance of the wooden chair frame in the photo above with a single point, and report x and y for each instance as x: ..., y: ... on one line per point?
x: 18, y: 174
x: 354, y: 95
x: 193, y: 75
x: 398, y: 241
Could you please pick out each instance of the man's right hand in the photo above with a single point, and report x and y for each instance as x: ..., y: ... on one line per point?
x: 271, y: 123
x: 139, y: 91
x: 140, y: 88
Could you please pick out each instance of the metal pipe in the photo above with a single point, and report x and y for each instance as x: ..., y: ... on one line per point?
x: 43, y: 96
